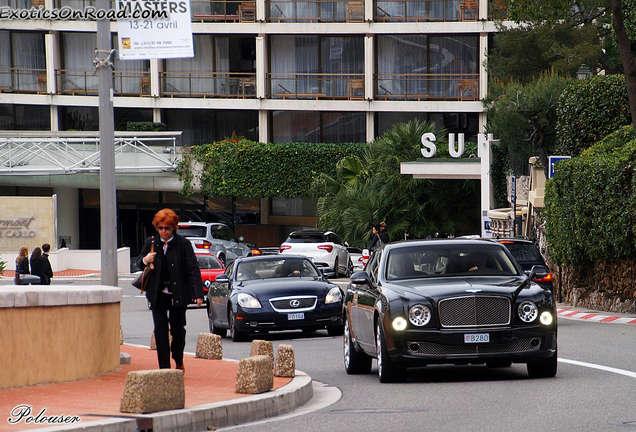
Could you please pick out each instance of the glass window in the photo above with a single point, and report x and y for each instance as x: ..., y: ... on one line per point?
x: 207, y: 126
x: 79, y: 118
x: 208, y: 261
x: 78, y: 53
x: 294, y: 207
x: 315, y: 127
x: 25, y: 117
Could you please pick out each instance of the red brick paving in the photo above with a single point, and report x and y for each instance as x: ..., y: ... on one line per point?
x: 63, y: 273
x: 206, y: 381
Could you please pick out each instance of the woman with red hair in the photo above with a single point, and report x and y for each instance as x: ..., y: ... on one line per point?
x: 21, y: 264
x: 173, y: 284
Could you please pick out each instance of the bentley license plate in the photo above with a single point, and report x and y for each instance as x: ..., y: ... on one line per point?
x: 296, y: 316
x: 477, y: 338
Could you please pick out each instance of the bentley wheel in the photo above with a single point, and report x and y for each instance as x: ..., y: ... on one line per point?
x: 545, y: 368
x: 235, y: 334
x: 355, y: 362
x: 387, y: 371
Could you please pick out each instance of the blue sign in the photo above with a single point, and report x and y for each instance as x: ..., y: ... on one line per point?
x: 554, y: 160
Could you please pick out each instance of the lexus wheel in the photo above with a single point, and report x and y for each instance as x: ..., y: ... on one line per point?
x: 355, y: 362
x: 235, y: 334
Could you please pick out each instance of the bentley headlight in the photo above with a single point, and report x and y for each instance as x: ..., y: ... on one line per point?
x: 248, y: 301
x: 528, y: 311
x: 399, y: 323
x: 546, y: 318
x: 333, y: 296
x: 419, y: 315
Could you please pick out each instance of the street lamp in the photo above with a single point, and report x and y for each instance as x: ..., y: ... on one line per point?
x: 583, y: 72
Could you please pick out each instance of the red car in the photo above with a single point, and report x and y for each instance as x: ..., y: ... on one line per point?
x: 210, y: 267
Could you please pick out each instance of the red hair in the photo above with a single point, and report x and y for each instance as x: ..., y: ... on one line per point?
x: 166, y: 217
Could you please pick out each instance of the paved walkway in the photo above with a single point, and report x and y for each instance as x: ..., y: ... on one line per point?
x: 209, y: 389
x: 63, y: 273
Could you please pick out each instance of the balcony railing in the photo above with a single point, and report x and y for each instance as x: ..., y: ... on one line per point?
x: 22, y: 80
x: 463, y: 87
x: 85, y: 82
x: 298, y: 11
x: 223, y: 11
x: 208, y: 84
x: 425, y: 10
x: 316, y: 86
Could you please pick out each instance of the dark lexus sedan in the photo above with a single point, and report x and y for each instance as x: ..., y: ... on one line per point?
x: 447, y: 302
x: 273, y: 292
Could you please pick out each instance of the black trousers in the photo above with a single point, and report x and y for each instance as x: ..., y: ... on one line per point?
x: 164, y: 313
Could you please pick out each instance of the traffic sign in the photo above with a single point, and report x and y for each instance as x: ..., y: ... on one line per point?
x: 553, y: 160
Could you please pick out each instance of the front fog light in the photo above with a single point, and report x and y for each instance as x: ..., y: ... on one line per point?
x: 399, y: 324
x: 546, y: 318
x: 528, y: 311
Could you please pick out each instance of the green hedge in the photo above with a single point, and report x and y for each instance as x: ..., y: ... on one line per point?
x: 589, y: 110
x: 145, y: 126
x: 238, y: 167
x: 590, y: 203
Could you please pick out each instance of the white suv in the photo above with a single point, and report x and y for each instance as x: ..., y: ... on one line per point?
x: 217, y: 238
x: 324, y: 248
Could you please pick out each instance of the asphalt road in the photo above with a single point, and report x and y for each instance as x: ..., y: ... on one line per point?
x: 593, y: 389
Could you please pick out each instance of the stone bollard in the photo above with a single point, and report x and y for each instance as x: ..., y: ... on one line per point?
x: 285, y: 363
x: 255, y: 375
x: 153, y: 343
x: 153, y: 390
x: 262, y: 347
x: 209, y: 346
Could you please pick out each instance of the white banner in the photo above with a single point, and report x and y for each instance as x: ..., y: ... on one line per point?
x: 147, y: 37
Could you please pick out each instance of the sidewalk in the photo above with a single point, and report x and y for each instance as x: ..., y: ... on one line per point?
x: 63, y: 273
x: 209, y: 390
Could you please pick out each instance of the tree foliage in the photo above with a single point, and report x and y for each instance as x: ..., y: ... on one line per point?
x: 524, y: 119
x: 590, y: 203
x: 374, y: 191
x: 589, y: 110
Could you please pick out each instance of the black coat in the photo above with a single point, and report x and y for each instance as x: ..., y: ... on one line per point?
x: 37, y: 268
x: 185, y: 276
x: 48, y: 271
x: 22, y: 266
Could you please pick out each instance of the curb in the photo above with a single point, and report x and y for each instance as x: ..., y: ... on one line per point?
x: 595, y: 317
x: 202, y: 417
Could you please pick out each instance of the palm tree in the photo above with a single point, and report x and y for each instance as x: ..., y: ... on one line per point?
x: 371, y: 190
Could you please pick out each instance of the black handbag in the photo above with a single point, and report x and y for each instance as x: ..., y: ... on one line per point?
x: 141, y: 281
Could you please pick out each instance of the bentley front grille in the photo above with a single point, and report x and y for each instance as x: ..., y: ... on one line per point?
x: 474, y: 311
x: 433, y: 349
x: 294, y: 304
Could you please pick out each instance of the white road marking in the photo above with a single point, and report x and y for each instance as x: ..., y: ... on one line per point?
x: 599, y: 367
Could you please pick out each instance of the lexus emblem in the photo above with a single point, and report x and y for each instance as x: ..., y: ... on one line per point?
x: 294, y: 303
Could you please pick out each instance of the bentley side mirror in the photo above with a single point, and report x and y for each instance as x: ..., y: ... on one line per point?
x: 538, y: 272
x: 360, y: 278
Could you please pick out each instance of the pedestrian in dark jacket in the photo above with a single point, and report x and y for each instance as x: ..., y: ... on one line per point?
x: 375, y: 241
x: 48, y: 271
x: 384, y: 233
x: 173, y: 284
x: 37, y: 264
x: 21, y: 264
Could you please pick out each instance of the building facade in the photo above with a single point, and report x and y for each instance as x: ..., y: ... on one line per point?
x: 269, y: 70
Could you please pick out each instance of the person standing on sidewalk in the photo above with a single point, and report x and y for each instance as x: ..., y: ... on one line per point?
x: 37, y: 264
x: 21, y: 264
x: 48, y: 271
x: 384, y: 233
x: 173, y: 284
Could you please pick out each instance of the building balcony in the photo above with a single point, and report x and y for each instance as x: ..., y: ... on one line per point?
x: 223, y: 11
x: 315, y: 86
x: 85, y: 82
x: 454, y: 87
x: 208, y: 84
x: 22, y: 80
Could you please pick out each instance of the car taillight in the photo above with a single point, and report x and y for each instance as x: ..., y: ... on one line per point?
x: 204, y: 245
x: 328, y: 248
x: 283, y: 247
x: 256, y: 252
x: 547, y: 278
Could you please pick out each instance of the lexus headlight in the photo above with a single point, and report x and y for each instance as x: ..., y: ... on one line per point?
x: 528, y: 311
x: 333, y: 296
x: 419, y: 315
x: 248, y: 301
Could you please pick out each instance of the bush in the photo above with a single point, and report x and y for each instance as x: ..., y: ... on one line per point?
x: 590, y: 203
x: 239, y: 167
x: 589, y: 110
x: 145, y: 126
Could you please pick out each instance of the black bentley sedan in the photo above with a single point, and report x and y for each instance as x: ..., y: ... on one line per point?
x: 273, y: 292
x: 447, y: 302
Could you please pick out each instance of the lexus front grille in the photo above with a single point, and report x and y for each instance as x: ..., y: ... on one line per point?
x: 294, y: 303
x: 474, y: 311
